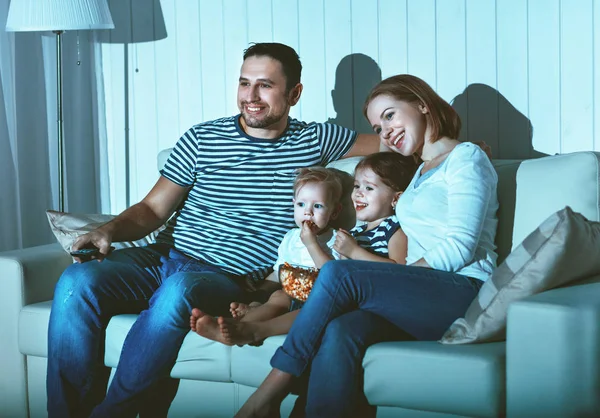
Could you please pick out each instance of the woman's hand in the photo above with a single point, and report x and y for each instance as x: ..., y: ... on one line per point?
x: 344, y: 244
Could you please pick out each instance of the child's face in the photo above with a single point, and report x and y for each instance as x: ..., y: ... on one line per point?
x: 372, y: 198
x: 313, y: 203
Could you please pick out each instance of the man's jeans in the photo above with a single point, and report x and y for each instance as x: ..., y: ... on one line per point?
x: 158, y: 281
x: 355, y: 304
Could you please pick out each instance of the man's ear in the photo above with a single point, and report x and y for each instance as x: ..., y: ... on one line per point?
x: 295, y: 93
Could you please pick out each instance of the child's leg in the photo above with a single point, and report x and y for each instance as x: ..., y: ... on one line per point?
x: 278, y: 304
x: 239, y: 310
x: 211, y: 328
x: 244, y: 332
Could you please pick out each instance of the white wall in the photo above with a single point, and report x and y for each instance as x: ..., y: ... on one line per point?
x: 524, y: 74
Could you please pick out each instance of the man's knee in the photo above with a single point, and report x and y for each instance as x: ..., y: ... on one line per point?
x: 77, y: 279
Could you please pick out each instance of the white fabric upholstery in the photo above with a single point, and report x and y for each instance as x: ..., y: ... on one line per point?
x: 469, y: 380
x: 198, y: 358
x: 549, y: 372
x: 546, y: 185
x: 552, y: 364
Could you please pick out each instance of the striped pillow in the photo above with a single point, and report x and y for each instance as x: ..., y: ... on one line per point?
x: 564, y: 248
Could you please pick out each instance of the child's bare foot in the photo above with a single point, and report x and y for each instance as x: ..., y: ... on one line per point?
x: 239, y: 310
x: 196, y: 315
x: 239, y: 333
x: 208, y: 327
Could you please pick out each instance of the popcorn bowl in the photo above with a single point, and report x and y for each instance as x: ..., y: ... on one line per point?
x: 297, y: 281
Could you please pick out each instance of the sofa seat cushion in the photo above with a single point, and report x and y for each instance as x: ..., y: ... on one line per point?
x: 250, y: 365
x: 421, y: 375
x: 198, y: 359
x: 426, y: 375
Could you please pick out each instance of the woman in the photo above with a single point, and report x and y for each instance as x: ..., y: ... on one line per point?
x: 448, y: 214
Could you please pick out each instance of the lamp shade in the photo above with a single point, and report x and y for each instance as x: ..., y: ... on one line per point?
x: 53, y: 15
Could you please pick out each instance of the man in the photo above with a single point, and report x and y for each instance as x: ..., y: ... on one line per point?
x: 229, y: 183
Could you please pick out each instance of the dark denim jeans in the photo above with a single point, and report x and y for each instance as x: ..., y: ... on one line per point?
x: 355, y: 304
x: 158, y: 281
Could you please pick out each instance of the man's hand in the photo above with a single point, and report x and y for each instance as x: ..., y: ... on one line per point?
x: 345, y: 243
x: 485, y: 147
x: 97, y: 238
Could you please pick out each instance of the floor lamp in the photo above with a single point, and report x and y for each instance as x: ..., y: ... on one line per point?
x: 58, y: 16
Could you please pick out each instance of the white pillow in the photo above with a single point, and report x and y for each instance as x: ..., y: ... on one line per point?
x: 68, y: 226
x: 564, y: 248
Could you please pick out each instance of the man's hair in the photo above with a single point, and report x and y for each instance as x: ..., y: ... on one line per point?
x: 326, y: 176
x: 289, y: 59
x: 395, y: 170
x: 442, y: 117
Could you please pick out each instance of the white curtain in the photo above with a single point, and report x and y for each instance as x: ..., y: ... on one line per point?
x: 28, y: 131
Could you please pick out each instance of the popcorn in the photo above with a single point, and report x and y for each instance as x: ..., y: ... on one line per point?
x: 297, y: 281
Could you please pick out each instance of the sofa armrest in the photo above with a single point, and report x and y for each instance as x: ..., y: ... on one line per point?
x: 553, y: 353
x: 26, y: 276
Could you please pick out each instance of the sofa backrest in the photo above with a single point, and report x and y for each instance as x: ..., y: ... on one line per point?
x: 546, y: 185
x: 528, y: 191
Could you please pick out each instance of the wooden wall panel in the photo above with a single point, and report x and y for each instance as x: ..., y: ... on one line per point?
x: 524, y: 75
x: 576, y: 71
x: 544, y: 74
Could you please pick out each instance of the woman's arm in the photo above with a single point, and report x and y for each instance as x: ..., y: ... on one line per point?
x: 347, y: 246
x: 471, y: 180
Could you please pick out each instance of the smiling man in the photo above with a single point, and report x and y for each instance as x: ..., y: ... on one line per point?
x: 228, y: 184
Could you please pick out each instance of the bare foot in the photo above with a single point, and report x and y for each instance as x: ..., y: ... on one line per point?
x: 239, y: 333
x: 239, y: 310
x: 208, y: 327
x: 251, y: 410
x: 265, y: 402
x: 196, y: 315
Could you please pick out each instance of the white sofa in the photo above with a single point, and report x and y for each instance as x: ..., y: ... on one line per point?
x: 548, y: 367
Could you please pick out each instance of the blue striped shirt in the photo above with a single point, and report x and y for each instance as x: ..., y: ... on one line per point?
x: 377, y: 239
x: 239, y: 205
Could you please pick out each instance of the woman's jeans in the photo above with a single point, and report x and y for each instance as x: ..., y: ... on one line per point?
x: 158, y: 281
x: 355, y: 304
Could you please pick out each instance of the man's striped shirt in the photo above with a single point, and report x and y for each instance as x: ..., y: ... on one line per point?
x: 239, y: 205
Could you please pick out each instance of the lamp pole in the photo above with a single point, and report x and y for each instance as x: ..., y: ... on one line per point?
x: 59, y: 122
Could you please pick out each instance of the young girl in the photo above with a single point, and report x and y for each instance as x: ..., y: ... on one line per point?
x: 378, y: 183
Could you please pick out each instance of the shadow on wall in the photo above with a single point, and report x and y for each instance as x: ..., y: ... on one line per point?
x: 135, y: 21
x: 488, y: 116
x: 355, y: 76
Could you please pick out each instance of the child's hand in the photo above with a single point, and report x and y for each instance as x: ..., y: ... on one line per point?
x: 344, y: 243
x: 308, y: 233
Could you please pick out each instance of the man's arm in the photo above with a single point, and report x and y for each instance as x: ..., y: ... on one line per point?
x: 366, y: 144
x: 138, y: 220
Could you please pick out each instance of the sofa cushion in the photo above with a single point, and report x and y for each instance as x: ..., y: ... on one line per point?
x: 250, y: 365
x: 546, y: 185
x: 564, y: 248
x: 425, y: 375
x: 66, y: 227
x: 198, y: 359
x: 465, y: 380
